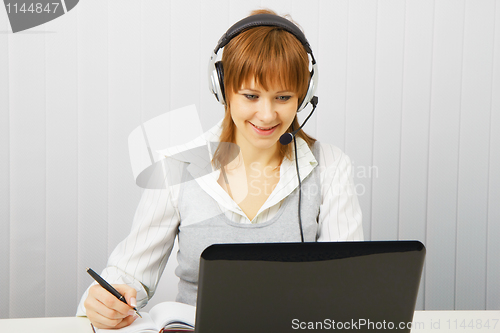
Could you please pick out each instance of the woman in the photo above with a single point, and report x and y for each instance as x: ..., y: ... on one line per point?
x: 253, y: 193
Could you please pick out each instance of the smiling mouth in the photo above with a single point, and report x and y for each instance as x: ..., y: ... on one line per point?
x: 264, y: 128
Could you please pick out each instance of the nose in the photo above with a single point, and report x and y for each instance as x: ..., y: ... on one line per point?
x: 267, y: 114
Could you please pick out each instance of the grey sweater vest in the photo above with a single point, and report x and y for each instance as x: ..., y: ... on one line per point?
x: 204, y: 224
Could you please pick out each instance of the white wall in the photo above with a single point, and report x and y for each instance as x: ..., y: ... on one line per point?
x: 409, y: 89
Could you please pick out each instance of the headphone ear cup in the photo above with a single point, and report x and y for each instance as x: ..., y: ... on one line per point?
x: 311, y: 90
x: 220, y: 77
x: 307, y: 98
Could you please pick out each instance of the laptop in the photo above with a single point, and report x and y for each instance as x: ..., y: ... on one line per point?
x: 290, y: 287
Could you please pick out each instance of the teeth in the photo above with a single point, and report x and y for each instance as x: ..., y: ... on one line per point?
x: 264, y: 129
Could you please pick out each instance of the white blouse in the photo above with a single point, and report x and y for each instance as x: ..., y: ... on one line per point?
x: 157, y: 219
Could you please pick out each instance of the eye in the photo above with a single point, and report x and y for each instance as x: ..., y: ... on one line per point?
x: 283, y: 98
x: 251, y: 97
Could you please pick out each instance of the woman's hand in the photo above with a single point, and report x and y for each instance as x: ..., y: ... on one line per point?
x: 106, y: 311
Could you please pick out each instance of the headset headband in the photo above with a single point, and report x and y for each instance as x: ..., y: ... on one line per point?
x: 260, y: 20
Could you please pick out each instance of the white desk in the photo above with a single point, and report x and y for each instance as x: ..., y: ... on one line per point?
x: 46, y: 325
x: 423, y: 322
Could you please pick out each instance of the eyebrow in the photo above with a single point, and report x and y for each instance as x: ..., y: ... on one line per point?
x: 249, y: 89
x: 257, y: 91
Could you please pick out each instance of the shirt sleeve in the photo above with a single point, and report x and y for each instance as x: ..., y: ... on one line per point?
x: 340, y: 217
x: 139, y: 260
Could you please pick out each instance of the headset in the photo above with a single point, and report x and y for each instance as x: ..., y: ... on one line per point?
x: 216, y: 70
x: 216, y: 73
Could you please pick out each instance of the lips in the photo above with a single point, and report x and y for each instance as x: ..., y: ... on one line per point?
x: 264, y: 128
x: 264, y: 131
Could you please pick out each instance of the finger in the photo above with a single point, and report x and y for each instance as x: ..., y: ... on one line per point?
x: 103, y: 322
x: 110, y: 301
x: 93, y: 305
x: 128, y: 292
x: 127, y: 321
x: 99, y: 320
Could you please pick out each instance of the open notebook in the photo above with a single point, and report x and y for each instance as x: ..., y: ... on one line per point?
x: 166, y: 316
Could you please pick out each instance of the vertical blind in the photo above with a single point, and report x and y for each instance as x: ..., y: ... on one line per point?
x: 410, y: 90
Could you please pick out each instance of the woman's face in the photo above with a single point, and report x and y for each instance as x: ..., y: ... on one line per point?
x: 261, y: 116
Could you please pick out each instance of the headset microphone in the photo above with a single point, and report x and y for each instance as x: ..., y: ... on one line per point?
x: 287, y: 137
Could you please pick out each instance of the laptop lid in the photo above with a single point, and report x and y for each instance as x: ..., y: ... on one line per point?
x: 286, y: 287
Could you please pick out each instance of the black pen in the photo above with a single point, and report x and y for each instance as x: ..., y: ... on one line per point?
x: 109, y: 288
